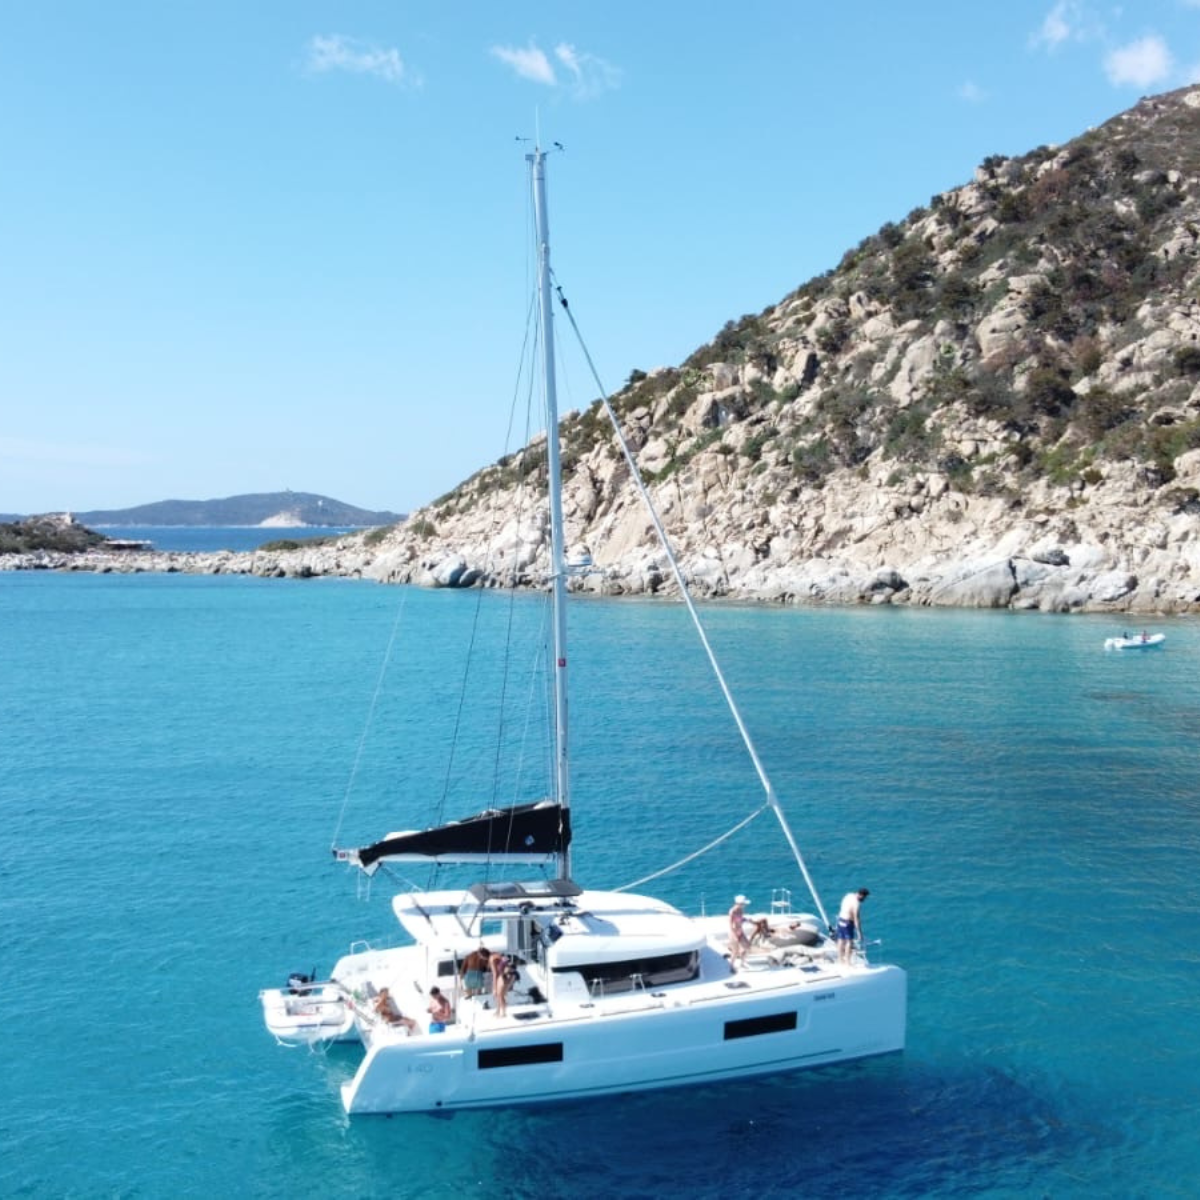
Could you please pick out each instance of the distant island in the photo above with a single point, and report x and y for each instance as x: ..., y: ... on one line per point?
x: 52, y: 534
x: 267, y: 509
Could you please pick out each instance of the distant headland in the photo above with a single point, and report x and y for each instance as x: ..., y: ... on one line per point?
x: 268, y: 509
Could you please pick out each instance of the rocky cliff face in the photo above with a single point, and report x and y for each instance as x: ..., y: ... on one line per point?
x: 994, y: 403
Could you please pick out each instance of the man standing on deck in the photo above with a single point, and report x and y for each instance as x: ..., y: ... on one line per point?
x: 849, y: 923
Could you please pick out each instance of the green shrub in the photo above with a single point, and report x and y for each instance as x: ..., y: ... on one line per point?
x: 1088, y: 357
x: 1014, y: 208
x: 908, y: 435
x: 753, y: 447
x: 812, y: 461
x: 681, y: 400
x: 912, y: 275
x: 1098, y: 411
x: 1048, y: 392
x: 834, y: 335
x: 1059, y: 465
x: 958, y: 296
x: 1187, y: 360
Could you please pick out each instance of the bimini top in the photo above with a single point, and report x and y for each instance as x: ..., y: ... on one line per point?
x: 524, y: 833
x: 507, y: 891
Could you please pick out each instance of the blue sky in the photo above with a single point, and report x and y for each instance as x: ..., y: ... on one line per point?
x: 247, y: 247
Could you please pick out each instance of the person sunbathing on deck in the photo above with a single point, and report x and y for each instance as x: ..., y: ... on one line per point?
x: 385, y: 1006
x: 760, y: 931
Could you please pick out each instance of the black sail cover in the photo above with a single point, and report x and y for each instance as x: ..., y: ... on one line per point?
x: 527, y: 833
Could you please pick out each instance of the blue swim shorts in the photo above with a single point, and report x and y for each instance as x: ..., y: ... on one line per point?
x: 845, y: 930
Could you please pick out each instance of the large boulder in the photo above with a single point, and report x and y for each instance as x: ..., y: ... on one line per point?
x: 991, y: 585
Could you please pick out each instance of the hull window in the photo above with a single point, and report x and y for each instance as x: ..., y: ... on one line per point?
x: 783, y: 1022
x: 521, y: 1056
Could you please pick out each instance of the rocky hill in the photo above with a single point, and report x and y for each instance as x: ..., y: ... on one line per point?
x: 260, y: 508
x: 48, y: 534
x: 992, y: 402
x: 995, y: 401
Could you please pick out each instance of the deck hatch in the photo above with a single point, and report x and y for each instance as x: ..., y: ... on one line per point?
x: 609, y: 978
x: 521, y: 1056
x: 782, y: 1022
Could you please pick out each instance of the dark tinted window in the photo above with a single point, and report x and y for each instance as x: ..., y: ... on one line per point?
x: 520, y: 1056
x: 753, y: 1026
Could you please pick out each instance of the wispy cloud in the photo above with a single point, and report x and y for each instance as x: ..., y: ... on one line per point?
x: 1142, y: 63
x: 590, y: 75
x: 335, y: 52
x: 530, y: 63
x: 1059, y: 25
x: 1070, y: 21
x: 972, y: 93
x: 583, y: 75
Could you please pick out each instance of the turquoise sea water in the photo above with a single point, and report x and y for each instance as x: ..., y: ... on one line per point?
x: 1024, y: 807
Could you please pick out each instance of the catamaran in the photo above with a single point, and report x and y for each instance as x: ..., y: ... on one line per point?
x: 558, y: 991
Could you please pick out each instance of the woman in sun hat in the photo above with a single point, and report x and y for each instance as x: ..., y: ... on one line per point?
x: 739, y: 943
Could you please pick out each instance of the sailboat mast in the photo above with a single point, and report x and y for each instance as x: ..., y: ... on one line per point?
x: 558, y: 558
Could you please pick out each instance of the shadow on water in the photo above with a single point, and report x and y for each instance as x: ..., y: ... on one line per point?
x: 891, y: 1127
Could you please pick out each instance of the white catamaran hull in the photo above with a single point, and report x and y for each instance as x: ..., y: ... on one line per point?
x: 779, y: 1025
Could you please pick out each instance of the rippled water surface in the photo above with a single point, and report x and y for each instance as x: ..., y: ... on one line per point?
x: 179, y: 754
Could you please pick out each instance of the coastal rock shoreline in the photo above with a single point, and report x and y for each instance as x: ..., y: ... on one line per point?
x: 1080, y: 579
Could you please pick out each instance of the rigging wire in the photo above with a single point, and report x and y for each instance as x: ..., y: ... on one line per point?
x: 494, y: 516
x: 758, y: 812
x: 731, y: 703
x: 531, y: 335
x: 537, y: 717
x: 527, y: 467
x: 371, y: 711
x: 530, y: 325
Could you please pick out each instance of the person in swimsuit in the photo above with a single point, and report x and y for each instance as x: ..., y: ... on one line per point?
x: 739, y: 943
x: 501, y: 980
x: 849, y: 923
x: 474, y: 967
x: 385, y: 1006
x: 440, y: 1012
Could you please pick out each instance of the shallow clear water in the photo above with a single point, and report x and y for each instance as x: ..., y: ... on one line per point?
x: 1023, y: 806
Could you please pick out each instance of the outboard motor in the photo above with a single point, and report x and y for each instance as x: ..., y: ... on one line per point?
x: 298, y: 982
